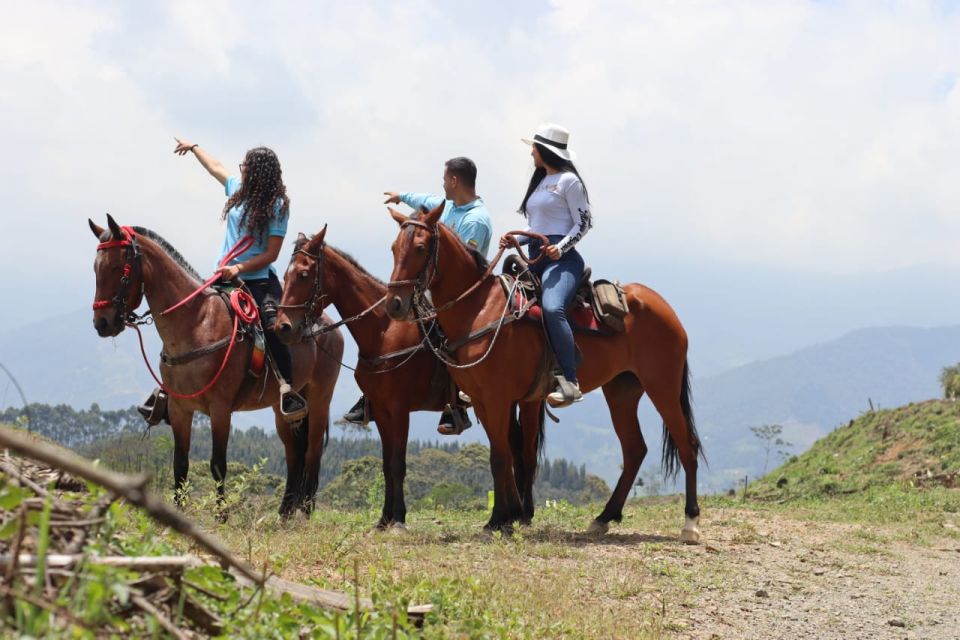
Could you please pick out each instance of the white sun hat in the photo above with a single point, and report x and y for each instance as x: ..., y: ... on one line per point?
x: 553, y: 137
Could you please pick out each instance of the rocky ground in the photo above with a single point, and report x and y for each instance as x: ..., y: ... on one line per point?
x: 767, y: 576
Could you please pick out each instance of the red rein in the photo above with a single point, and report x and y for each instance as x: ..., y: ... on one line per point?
x: 243, y: 305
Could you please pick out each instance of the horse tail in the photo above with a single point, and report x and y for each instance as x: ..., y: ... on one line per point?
x: 671, y: 455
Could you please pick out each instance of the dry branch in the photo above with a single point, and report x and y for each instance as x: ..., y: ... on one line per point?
x: 131, y: 488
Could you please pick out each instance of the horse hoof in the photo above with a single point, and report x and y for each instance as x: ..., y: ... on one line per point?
x: 398, y: 528
x: 598, y: 528
x: 690, y: 534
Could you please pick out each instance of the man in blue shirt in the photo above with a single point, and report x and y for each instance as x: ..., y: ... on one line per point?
x: 465, y: 213
x: 463, y: 209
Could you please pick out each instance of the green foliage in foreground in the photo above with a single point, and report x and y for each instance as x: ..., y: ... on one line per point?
x: 118, y: 440
x: 98, y: 597
x: 917, y: 445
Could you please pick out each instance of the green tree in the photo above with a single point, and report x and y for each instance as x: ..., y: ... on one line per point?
x: 771, y: 440
x: 950, y: 381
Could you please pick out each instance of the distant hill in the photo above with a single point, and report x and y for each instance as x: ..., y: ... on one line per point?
x: 917, y: 443
x: 809, y: 391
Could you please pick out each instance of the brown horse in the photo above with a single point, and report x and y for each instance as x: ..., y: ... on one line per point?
x: 649, y: 356
x: 408, y: 379
x: 150, y: 268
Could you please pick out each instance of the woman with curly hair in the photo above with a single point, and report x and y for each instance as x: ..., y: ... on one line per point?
x: 257, y: 205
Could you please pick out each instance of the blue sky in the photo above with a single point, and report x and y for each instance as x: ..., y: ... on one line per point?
x: 809, y: 136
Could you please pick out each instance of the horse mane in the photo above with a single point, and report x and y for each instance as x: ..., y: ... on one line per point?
x: 170, y: 251
x: 479, y: 258
x: 343, y: 254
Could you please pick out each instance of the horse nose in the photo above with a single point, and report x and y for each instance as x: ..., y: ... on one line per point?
x: 284, y: 327
x: 100, y: 324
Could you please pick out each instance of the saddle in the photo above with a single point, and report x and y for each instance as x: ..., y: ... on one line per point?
x: 598, y: 307
x: 155, y: 411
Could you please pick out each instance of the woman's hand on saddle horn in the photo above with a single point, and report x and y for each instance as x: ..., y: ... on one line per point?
x: 553, y: 252
x: 507, y: 240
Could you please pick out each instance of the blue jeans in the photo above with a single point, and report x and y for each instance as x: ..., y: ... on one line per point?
x: 559, y: 279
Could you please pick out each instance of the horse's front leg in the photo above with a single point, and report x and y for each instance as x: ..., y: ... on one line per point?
x: 220, y: 425
x: 507, y: 507
x: 294, y: 448
x: 181, y: 421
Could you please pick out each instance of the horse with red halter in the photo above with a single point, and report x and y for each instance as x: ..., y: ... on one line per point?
x: 206, y: 359
x: 498, y: 368
x: 396, y: 371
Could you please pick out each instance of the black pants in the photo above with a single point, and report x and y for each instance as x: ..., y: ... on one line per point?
x: 267, y: 292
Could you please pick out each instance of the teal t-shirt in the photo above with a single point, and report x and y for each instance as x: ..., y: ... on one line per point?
x: 471, y: 221
x: 277, y: 227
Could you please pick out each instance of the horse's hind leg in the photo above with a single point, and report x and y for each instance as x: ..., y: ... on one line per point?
x: 531, y: 425
x: 681, y: 443
x: 623, y: 395
x: 181, y: 422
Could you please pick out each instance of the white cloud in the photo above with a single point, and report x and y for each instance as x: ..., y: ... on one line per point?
x: 815, y: 135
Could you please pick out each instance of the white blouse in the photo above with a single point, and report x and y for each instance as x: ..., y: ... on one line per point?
x: 559, y: 207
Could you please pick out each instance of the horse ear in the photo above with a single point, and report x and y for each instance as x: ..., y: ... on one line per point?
x: 97, y: 229
x: 317, y: 240
x: 396, y: 215
x: 432, y: 217
x: 301, y: 238
x: 114, y: 227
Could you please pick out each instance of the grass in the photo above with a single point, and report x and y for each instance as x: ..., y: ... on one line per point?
x: 544, y: 581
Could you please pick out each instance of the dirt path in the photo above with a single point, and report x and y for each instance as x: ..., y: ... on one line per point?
x: 765, y: 576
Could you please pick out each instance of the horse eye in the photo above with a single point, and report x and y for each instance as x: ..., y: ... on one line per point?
x: 421, y: 248
x: 304, y: 274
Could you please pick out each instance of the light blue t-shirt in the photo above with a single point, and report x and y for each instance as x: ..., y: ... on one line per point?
x: 277, y: 227
x: 470, y: 221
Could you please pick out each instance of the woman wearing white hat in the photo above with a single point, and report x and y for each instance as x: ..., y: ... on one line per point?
x: 556, y: 205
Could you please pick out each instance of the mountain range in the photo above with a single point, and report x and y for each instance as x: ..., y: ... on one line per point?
x: 808, y: 391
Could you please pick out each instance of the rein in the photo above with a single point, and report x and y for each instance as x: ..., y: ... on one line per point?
x: 241, y: 302
x: 242, y: 245
x: 420, y: 287
x: 315, y: 300
x: 434, y: 261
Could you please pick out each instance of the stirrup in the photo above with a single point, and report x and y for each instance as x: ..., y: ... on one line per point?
x: 154, y: 409
x: 565, y: 394
x: 459, y: 421
x: 464, y: 398
x: 360, y: 414
x: 293, y: 408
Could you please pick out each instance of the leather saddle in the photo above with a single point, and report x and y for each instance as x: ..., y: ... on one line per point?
x: 585, y: 316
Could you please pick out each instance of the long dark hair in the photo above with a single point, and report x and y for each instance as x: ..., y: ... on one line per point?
x: 260, y: 192
x: 553, y: 161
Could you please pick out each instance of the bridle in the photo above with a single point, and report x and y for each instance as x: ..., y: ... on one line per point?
x: 421, y: 283
x: 132, y: 266
x: 313, y: 306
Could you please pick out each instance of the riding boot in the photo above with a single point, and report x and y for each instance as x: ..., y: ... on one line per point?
x: 565, y: 393
x: 154, y: 408
x: 359, y: 413
x: 453, y: 421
